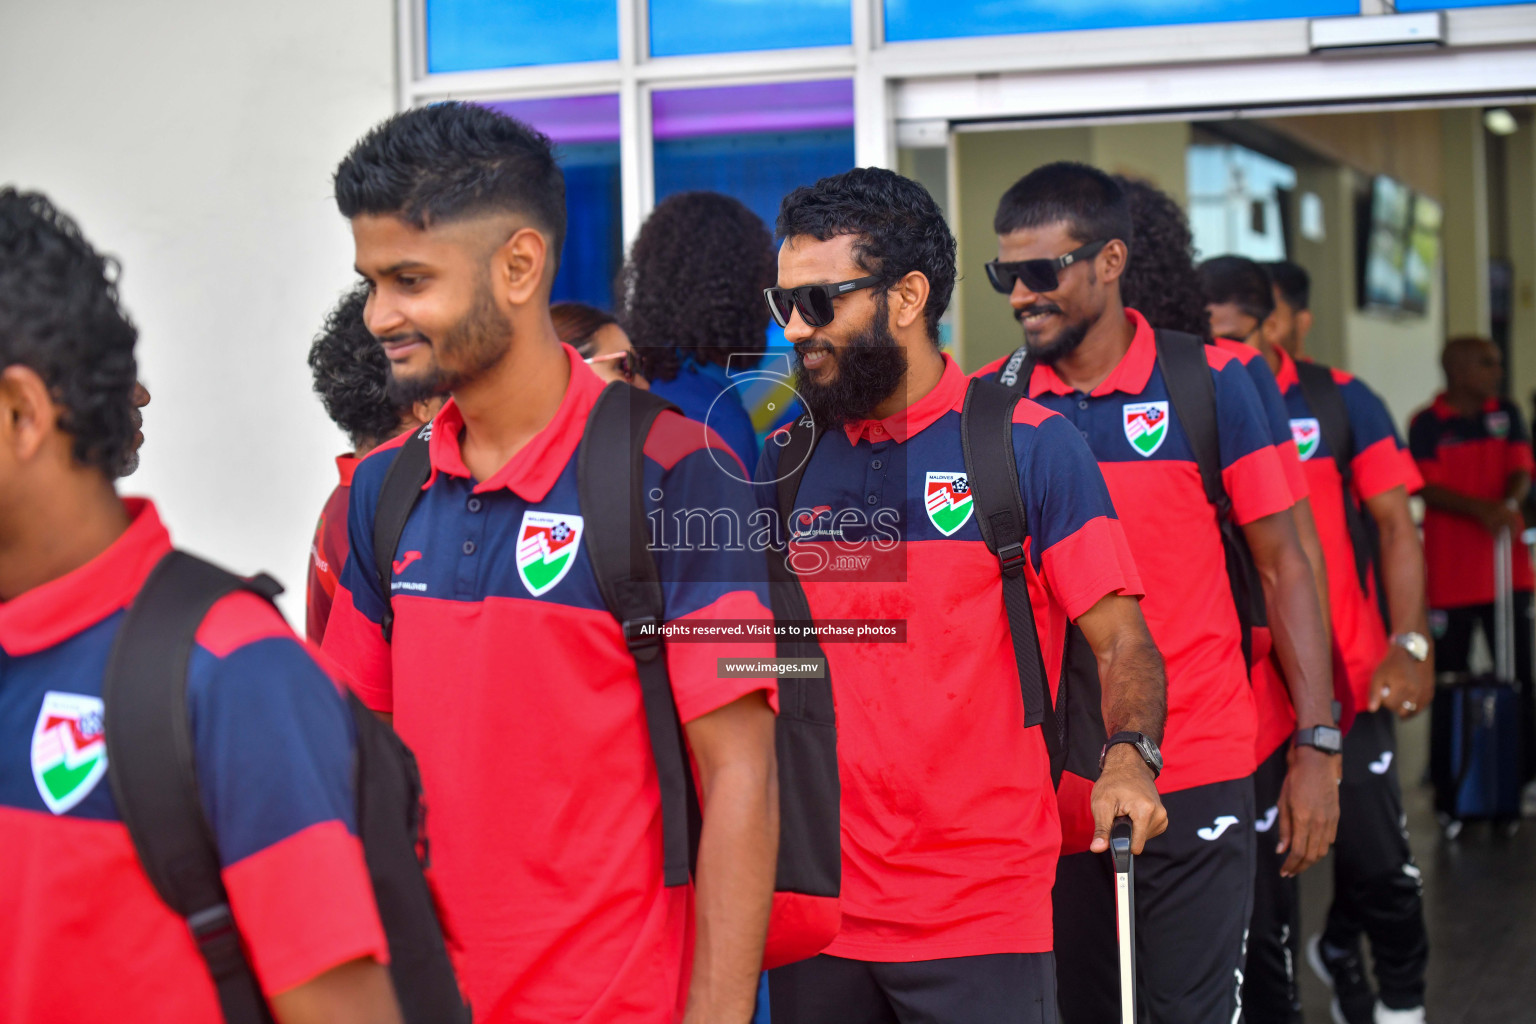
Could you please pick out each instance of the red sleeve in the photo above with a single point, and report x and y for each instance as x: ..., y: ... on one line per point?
x: 305, y: 905
x: 694, y: 668
x: 1520, y: 459
x: 1089, y: 565
x: 1383, y: 466
x: 352, y: 641
x: 1295, y: 475
x: 1258, y: 486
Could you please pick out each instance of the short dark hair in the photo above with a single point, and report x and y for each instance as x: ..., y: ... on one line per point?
x: 1084, y: 198
x: 1239, y: 280
x: 899, y: 227
x: 1160, y: 281
x: 1292, y: 282
x: 60, y: 316
x: 577, y: 324
x: 450, y: 161
x: 694, y: 283
x: 352, y: 373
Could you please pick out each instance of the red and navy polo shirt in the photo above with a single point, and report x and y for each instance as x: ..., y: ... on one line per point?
x: 511, y: 681
x: 950, y: 826
x: 1475, y: 456
x: 1379, y: 465
x: 328, y: 553
x: 83, y: 935
x: 1150, y: 469
x: 1276, y: 715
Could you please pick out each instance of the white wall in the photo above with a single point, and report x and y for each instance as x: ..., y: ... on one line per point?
x: 195, y: 140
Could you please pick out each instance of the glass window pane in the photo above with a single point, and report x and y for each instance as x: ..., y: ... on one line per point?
x: 1235, y: 202
x: 585, y: 131
x: 681, y: 27
x: 1404, y: 6
x: 947, y: 19
x: 472, y: 35
x: 757, y: 143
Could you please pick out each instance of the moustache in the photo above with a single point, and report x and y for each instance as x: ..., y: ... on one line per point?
x: 805, y: 348
x: 1039, y: 307
x: 396, y: 339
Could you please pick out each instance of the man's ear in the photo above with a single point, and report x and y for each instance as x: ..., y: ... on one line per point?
x: 1303, y: 324
x: 28, y: 414
x: 910, y: 298
x: 519, y: 266
x: 1111, y: 260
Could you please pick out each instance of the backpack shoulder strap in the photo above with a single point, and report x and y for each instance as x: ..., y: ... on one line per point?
x: 1326, y: 401
x: 800, y: 443
x: 1192, y: 393
x: 612, y: 463
x: 153, y: 778
x: 986, y: 432
x: 397, y: 497
x: 1016, y: 370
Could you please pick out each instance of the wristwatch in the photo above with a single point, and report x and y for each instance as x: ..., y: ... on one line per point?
x: 1144, y: 746
x: 1324, y: 737
x: 1415, y: 644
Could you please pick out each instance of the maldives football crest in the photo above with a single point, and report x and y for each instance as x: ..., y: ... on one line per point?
x: 546, y: 549
x: 69, y: 750
x: 949, y: 501
x: 1146, y: 425
x: 1307, y: 435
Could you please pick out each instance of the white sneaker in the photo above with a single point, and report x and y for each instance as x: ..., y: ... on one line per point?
x: 1386, y: 1016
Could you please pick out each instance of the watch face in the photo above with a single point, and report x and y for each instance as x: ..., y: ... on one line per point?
x: 1150, y: 753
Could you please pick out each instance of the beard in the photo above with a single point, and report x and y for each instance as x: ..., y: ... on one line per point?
x: 1067, y: 342
x: 867, y: 371
x: 478, y: 342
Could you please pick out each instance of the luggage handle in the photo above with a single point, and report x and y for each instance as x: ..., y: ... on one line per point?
x: 1503, y: 609
x: 1125, y: 887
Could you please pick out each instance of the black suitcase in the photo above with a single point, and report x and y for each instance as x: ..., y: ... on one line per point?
x: 1475, y: 740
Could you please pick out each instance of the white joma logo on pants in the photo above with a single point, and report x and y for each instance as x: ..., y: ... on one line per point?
x: 1381, y: 764
x: 1213, y: 832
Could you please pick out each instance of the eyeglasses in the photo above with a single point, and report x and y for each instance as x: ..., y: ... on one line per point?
x: 1039, y: 276
x: 814, y: 301
x: 623, y: 364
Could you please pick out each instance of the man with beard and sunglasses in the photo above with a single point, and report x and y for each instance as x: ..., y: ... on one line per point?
x: 950, y: 828
x: 503, y: 668
x: 1064, y: 239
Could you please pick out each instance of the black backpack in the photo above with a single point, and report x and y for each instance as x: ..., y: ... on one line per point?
x: 1192, y: 394
x: 1327, y: 403
x: 611, y: 462
x: 154, y: 783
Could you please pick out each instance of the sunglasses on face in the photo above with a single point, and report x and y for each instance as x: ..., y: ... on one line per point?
x: 623, y: 364
x: 1039, y: 276
x: 814, y: 301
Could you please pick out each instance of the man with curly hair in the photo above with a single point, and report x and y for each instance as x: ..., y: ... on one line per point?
x: 84, y: 936
x: 692, y: 293
x: 949, y: 820
x: 503, y: 670
x: 352, y: 379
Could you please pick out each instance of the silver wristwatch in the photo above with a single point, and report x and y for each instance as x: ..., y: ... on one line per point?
x: 1415, y: 644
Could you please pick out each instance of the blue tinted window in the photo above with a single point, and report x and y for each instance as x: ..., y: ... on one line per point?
x: 946, y: 19
x: 585, y: 131
x: 471, y: 35
x: 681, y: 27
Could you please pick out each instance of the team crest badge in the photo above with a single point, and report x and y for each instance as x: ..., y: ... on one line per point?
x: 1146, y: 426
x: 69, y: 749
x: 949, y: 501
x: 1307, y: 435
x: 546, y: 549
x: 1498, y: 424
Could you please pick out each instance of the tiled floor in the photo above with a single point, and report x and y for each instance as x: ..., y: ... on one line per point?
x: 1480, y: 905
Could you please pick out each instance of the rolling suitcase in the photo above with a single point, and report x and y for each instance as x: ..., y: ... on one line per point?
x: 1125, y: 914
x: 1476, y: 725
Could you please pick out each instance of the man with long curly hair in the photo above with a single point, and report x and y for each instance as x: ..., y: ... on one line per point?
x: 692, y: 295
x: 352, y: 379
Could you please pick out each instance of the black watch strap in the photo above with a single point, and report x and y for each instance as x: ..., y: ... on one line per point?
x: 1326, y: 738
x: 1144, y: 746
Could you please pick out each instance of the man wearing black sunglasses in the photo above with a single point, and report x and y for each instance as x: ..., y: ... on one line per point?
x: 1097, y: 363
x: 950, y: 827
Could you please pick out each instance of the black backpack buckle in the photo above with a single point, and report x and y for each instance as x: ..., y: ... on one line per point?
x: 643, y: 637
x: 1012, y: 559
x: 218, y: 940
